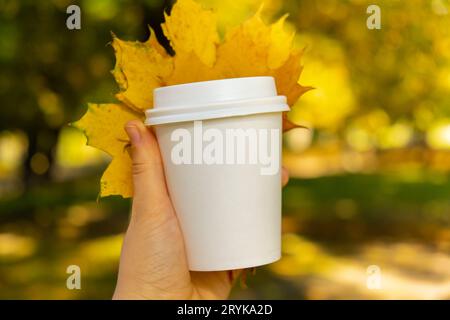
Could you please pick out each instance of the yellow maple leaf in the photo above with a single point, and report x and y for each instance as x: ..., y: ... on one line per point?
x: 189, y: 28
x: 251, y: 49
x: 140, y: 67
x: 103, y: 125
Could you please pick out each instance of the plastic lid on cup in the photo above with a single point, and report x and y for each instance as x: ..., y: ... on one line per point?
x: 215, y: 99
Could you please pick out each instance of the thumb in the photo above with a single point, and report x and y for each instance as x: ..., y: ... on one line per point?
x: 149, y: 184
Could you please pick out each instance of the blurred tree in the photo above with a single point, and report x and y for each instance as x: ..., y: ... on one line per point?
x: 49, y: 73
x: 401, y: 69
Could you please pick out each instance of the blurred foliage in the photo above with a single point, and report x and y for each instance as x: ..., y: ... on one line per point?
x: 374, y: 169
x: 401, y: 69
x: 49, y: 73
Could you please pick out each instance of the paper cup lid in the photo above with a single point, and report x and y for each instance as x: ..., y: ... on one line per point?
x: 215, y: 99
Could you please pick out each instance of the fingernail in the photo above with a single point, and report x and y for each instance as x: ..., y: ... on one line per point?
x: 133, y: 134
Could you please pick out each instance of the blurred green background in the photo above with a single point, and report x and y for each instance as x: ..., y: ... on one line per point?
x: 369, y: 184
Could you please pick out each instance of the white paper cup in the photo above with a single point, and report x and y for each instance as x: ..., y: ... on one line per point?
x: 228, y: 202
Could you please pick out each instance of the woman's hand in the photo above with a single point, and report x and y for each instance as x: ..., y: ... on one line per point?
x: 153, y: 262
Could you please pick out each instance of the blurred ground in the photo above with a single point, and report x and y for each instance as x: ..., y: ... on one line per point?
x: 334, y: 229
